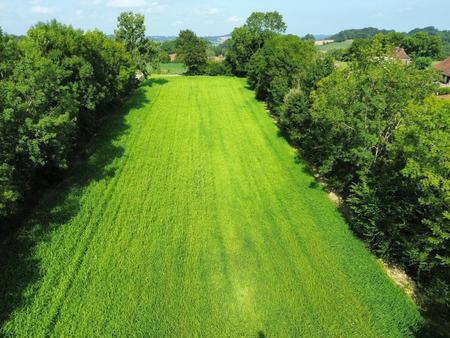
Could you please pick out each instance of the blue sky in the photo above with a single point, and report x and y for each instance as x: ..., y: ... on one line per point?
x: 217, y: 17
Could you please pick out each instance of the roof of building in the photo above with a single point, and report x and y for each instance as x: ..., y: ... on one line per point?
x: 444, y: 66
x: 401, y: 54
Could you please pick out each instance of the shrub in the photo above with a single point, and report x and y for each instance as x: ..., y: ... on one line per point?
x: 218, y: 68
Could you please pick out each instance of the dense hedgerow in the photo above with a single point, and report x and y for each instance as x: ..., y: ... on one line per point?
x: 374, y: 136
x: 55, y: 83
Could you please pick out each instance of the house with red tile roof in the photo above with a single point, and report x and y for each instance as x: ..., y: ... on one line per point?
x: 444, y: 68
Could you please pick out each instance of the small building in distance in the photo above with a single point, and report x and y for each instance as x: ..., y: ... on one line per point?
x: 322, y: 42
x: 173, y: 57
x: 218, y: 59
x: 401, y: 55
x: 444, y: 68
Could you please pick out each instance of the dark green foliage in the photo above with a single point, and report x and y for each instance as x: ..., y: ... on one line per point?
x: 217, y: 68
x: 401, y: 209
x: 222, y: 48
x: 351, y: 34
x: 145, y: 53
x: 248, y: 39
x: 417, y: 45
x: 445, y: 36
x: 265, y: 25
x: 372, y: 134
x: 192, y: 50
x: 360, y: 108
x: 243, y: 45
x: 423, y: 62
x: 423, y: 45
x: 169, y: 46
x: 283, y: 61
x: 53, y: 83
x: 309, y: 37
x: 443, y: 90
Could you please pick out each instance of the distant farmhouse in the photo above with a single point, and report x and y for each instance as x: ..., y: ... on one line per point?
x: 323, y: 42
x: 401, y: 55
x: 173, y: 57
x: 444, y: 68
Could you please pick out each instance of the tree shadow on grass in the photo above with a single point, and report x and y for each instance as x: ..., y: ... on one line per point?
x: 19, y: 268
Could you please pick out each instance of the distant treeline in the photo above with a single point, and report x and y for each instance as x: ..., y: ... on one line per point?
x: 370, y: 32
x: 373, y: 130
x: 363, y: 33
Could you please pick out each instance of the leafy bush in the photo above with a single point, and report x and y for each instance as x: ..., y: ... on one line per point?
x: 278, y: 65
x: 443, y: 91
x: 218, y: 68
x: 53, y: 84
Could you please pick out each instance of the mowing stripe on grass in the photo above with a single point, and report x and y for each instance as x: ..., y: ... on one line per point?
x: 193, y: 217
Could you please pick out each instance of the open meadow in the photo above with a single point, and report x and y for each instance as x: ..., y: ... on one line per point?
x: 193, y: 217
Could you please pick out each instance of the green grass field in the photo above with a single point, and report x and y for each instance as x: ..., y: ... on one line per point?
x: 172, y: 68
x: 335, y: 45
x: 192, y: 217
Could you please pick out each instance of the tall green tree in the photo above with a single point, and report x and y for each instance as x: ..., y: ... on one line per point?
x: 53, y: 82
x: 131, y: 32
x: 357, y: 111
x: 193, y: 51
x: 283, y: 62
x: 265, y: 24
x: 247, y: 40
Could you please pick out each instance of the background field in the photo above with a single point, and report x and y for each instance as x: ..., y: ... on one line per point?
x: 335, y: 45
x: 193, y: 217
x: 172, y: 68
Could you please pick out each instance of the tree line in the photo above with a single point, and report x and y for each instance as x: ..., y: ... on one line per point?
x: 373, y: 130
x: 56, y: 84
x: 427, y: 42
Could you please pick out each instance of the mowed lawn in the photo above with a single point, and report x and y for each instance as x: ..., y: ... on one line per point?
x: 192, y: 217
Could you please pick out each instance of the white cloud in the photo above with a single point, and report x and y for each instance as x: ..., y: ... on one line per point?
x: 207, y: 12
x: 127, y: 3
x: 79, y: 12
x: 213, y: 11
x: 177, y: 23
x: 42, y: 10
x: 235, y: 18
x: 156, y: 8
x: 90, y: 2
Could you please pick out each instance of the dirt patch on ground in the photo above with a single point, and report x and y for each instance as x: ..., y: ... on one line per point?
x: 394, y: 272
x: 335, y: 198
x: 444, y: 97
x: 400, y: 278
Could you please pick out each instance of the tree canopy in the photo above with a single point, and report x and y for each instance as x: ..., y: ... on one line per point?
x: 53, y: 84
x: 131, y: 32
x: 193, y: 51
x: 247, y: 40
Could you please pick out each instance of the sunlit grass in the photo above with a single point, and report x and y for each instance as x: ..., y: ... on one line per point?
x: 191, y: 218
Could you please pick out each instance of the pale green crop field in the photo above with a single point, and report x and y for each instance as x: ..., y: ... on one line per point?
x: 192, y: 217
x: 172, y: 68
x: 335, y: 45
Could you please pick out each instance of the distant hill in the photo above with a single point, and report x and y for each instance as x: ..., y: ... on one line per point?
x: 363, y: 33
x: 322, y: 36
x: 429, y: 30
x: 215, y: 40
x: 444, y: 34
x: 162, y: 38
